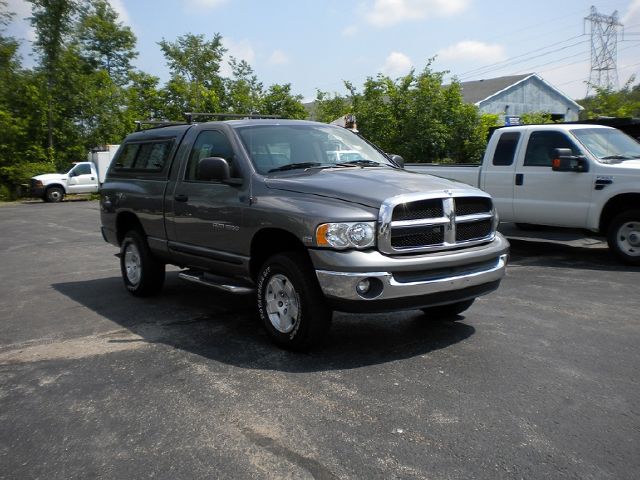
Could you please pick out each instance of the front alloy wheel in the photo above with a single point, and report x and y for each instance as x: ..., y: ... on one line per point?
x: 291, y: 305
x: 283, y: 303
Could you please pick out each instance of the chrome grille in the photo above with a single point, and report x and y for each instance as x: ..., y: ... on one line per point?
x: 472, y: 205
x: 450, y: 219
x: 421, y: 209
x: 473, y: 230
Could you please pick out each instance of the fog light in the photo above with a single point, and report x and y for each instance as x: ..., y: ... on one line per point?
x: 363, y: 286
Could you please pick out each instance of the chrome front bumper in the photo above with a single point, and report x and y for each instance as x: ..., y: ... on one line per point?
x: 343, y: 285
x: 413, y: 282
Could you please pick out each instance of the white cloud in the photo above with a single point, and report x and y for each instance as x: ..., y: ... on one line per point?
x: 473, y: 50
x: 120, y: 9
x: 632, y: 15
x: 396, y: 64
x: 278, y: 57
x: 240, y: 50
x: 386, y: 13
x: 199, y: 5
x: 350, y: 31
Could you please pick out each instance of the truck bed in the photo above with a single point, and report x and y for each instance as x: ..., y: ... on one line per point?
x: 460, y: 172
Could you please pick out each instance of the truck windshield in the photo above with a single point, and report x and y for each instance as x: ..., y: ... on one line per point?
x: 286, y: 147
x: 608, y: 143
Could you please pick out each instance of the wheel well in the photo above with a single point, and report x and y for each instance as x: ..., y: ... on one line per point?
x: 268, y: 242
x: 54, y: 185
x: 127, y: 221
x: 616, y: 205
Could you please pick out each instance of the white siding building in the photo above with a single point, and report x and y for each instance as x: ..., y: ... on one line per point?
x: 518, y: 94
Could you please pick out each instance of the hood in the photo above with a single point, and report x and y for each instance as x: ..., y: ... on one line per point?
x: 630, y: 167
x: 366, y: 186
x: 51, y: 177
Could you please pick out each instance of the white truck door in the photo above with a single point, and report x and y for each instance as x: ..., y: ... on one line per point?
x: 83, y: 178
x: 498, y: 166
x: 545, y: 197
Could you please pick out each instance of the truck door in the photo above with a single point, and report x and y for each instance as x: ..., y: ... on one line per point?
x: 207, y: 215
x: 497, y: 172
x: 545, y: 197
x: 82, y: 179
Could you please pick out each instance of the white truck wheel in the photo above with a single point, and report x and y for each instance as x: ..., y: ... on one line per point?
x: 624, y: 237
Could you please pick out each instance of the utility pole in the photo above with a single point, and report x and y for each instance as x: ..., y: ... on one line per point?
x: 604, y: 50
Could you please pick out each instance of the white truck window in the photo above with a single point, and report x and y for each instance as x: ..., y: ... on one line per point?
x: 541, y: 146
x: 506, y: 148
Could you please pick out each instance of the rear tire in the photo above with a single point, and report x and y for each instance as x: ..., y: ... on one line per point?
x: 142, y: 273
x: 291, y: 305
x: 623, y: 237
x: 447, y: 311
x: 53, y: 195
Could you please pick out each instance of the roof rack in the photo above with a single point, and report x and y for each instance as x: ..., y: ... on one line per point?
x: 190, y: 115
x: 155, y: 124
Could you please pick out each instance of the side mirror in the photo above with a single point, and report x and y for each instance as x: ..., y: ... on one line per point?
x: 564, y: 161
x: 213, y: 168
x: 397, y: 159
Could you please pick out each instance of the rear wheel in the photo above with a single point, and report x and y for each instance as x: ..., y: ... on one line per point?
x: 290, y: 302
x: 142, y: 273
x: 447, y: 311
x: 623, y: 237
x: 54, y: 195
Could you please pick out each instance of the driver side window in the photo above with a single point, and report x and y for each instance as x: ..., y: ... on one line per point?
x: 541, y: 146
x: 83, y: 169
x: 210, y: 143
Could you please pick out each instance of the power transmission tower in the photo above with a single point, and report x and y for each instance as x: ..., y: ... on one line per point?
x: 604, y: 50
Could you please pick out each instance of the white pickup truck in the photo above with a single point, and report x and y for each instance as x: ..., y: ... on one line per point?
x: 84, y: 177
x: 564, y: 175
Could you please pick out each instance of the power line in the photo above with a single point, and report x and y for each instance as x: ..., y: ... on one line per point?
x: 583, y: 78
x: 513, y: 60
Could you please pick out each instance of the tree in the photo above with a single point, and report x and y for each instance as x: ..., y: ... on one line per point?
x: 106, y: 43
x: 278, y: 100
x: 21, y: 105
x: 536, y: 118
x: 328, y: 107
x: 53, y: 23
x: 613, y: 103
x: 243, y: 91
x: 418, y: 117
x: 195, y: 65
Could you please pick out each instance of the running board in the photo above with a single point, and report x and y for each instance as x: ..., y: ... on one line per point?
x: 220, y: 283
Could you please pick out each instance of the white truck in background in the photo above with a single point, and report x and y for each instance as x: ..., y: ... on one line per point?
x: 84, y: 177
x: 562, y: 175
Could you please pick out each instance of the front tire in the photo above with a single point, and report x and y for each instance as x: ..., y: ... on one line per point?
x: 53, y: 195
x: 142, y: 273
x: 623, y: 237
x: 447, y: 312
x: 290, y: 303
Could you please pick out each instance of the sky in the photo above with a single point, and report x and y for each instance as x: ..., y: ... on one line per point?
x: 318, y: 44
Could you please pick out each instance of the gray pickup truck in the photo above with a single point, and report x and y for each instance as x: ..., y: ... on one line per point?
x: 273, y: 207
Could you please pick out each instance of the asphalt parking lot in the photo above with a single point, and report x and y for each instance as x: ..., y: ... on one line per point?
x: 537, y: 380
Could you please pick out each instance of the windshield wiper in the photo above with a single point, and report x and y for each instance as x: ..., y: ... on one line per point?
x: 361, y: 162
x: 293, y: 166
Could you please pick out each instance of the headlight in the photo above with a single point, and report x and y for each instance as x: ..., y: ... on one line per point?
x: 346, y: 235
